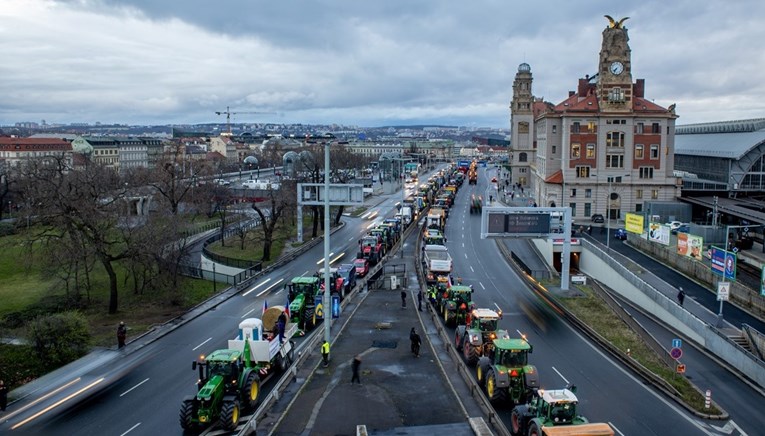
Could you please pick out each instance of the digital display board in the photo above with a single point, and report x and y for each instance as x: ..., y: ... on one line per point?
x: 517, y: 223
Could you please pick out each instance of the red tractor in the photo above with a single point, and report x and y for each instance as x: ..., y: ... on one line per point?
x: 371, y: 248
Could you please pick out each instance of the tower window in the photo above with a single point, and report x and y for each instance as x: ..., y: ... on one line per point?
x: 615, y: 139
x: 646, y: 172
x: 576, y: 150
x: 590, y: 151
x: 638, y: 151
x: 575, y: 128
x: 615, y: 161
x: 583, y: 172
x: 654, y: 151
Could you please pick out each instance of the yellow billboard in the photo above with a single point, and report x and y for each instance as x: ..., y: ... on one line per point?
x: 633, y: 223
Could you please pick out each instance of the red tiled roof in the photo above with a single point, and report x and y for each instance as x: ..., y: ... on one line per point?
x: 643, y: 105
x: 556, y: 177
x: 576, y: 103
x: 32, y: 141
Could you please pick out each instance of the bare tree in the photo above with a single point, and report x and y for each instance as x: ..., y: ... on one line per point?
x: 174, y: 176
x: 278, y: 201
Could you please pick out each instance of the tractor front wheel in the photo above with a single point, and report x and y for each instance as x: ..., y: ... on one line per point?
x: 229, y: 415
x: 534, y: 429
x: 517, y: 421
x: 187, y: 414
x: 492, y: 390
x: 310, y: 318
x: 251, y: 390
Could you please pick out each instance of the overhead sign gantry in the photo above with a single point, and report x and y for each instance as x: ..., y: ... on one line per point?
x: 531, y: 222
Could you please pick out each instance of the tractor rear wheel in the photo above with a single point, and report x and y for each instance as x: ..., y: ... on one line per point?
x: 534, y: 429
x: 281, y: 363
x: 291, y: 353
x: 310, y: 319
x: 468, y: 350
x: 480, y: 376
x: 494, y: 392
x: 229, y: 415
x: 251, y: 391
x: 187, y: 414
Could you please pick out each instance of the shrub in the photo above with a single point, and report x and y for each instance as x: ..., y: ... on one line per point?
x: 59, y: 338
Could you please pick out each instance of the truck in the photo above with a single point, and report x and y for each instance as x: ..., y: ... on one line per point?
x: 406, y: 216
x: 505, y: 373
x: 476, y: 338
x: 229, y: 379
x: 371, y: 248
x: 552, y: 412
x: 347, y: 272
x: 337, y: 284
x: 436, y: 262
x: 433, y: 237
x: 301, y: 292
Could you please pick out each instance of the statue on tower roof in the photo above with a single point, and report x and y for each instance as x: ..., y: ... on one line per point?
x: 613, y: 24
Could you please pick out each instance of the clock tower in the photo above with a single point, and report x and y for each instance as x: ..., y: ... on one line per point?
x: 614, y: 88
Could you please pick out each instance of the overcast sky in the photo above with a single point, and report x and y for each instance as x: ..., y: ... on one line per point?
x: 362, y: 62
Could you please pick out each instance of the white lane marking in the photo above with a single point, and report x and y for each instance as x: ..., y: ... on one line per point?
x: 471, y: 269
x: 463, y: 245
x: 127, y: 391
x: 130, y: 429
x: 303, y: 275
x: 350, y: 239
x: 197, y: 347
x: 616, y: 429
x: 270, y: 287
x: 466, y: 256
x: 482, y: 286
x: 561, y: 375
x: 249, y: 312
x: 256, y: 287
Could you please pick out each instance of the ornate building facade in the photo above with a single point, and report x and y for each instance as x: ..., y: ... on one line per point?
x: 605, y: 149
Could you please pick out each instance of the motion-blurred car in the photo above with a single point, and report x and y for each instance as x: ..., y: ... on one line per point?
x: 620, y: 234
x: 221, y: 182
x: 362, y: 267
x: 597, y: 218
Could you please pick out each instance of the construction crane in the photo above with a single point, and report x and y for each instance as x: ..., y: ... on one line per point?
x: 229, y: 113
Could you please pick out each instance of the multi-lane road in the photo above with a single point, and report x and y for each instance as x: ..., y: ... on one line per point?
x: 139, y: 393
x: 607, y: 392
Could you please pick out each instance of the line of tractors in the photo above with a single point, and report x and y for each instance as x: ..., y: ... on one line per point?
x: 502, y: 363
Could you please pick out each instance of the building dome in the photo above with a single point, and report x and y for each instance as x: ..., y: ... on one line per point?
x: 524, y: 68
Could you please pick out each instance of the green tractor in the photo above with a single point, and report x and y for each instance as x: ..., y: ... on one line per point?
x: 229, y: 380
x: 226, y: 384
x: 505, y: 373
x: 302, y: 292
x: 457, y: 304
x: 476, y: 337
x: 553, y: 408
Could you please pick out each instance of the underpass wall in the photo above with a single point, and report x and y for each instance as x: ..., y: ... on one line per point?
x: 620, y: 279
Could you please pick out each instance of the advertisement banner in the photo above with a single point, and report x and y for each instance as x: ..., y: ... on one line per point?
x: 689, y: 245
x: 658, y: 233
x: 723, y: 263
x: 633, y: 223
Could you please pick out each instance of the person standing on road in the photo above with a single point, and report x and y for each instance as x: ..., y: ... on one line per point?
x: 416, y: 341
x: 355, y: 367
x: 121, y: 334
x: 403, y: 299
x: 325, y: 353
x: 419, y: 300
x: 680, y: 296
x: 3, y: 396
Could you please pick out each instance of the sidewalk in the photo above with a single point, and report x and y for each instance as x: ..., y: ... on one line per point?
x: 397, y: 390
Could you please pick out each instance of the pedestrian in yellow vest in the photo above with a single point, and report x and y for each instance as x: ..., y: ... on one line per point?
x: 325, y: 353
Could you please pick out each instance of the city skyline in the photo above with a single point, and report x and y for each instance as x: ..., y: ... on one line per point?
x: 396, y: 63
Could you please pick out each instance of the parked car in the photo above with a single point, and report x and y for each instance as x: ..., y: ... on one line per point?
x: 673, y: 225
x: 597, y: 218
x: 221, y: 182
x: 682, y: 228
x: 620, y: 234
x: 362, y: 267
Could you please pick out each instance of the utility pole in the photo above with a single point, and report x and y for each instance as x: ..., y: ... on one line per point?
x: 327, y: 298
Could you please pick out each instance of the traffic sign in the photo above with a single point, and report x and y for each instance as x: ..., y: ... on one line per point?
x: 723, y: 291
x: 676, y: 353
x: 677, y: 343
x: 681, y: 368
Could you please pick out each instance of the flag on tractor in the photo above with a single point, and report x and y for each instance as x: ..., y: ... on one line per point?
x: 287, y: 307
x: 265, y: 306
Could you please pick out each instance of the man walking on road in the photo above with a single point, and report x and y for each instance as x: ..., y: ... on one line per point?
x: 355, y: 367
x: 403, y: 299
x: 680, y: 296
x: 325, y: 353
x: 419, y: 300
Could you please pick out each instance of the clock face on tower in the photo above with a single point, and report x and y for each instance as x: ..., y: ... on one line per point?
x: 616, y: 68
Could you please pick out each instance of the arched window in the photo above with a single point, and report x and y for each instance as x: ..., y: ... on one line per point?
x: 522, y: 157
